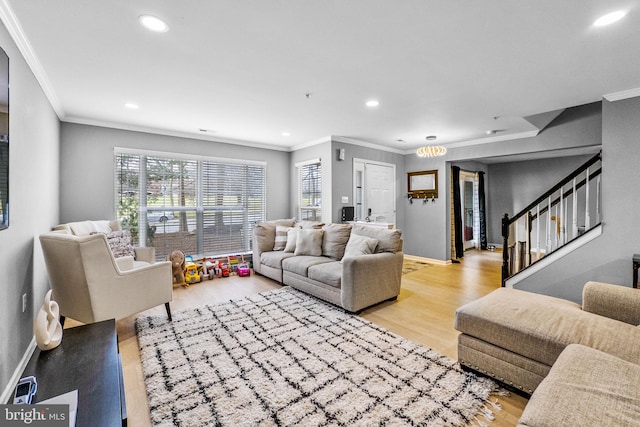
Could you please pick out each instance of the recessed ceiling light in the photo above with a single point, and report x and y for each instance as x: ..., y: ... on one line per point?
x: 610, y: 18
x: 286, y: 134
x: 154, y: 24
x: 372, y: 103
x: 131, y: 106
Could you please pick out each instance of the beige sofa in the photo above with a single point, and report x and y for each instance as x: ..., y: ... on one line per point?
x: 579, y: 361
x: 331, y: 261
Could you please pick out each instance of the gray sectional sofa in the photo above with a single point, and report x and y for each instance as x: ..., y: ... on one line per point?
x: 353, y: 267
x: 580, y: 363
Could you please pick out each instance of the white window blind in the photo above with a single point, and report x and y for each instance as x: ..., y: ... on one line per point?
x: 310, y: 190
x: 201, y: 206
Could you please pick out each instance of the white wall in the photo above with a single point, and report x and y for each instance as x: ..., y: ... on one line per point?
x: 87, y: 167
x: 33, y: 207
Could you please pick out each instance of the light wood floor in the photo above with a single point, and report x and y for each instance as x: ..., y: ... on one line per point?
x: 423, y: 313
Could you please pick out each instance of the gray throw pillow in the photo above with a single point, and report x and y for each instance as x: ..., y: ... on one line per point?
x: 359, y: 245
x: 120, y: 243
x: 388, y: 240
x: 335, y: 239
x: 309, y: 242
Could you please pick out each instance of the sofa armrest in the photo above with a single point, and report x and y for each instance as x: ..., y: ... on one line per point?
x: 145, y: 254
x: 614, y: 301
x: 124, y: 263
x: 370, y: 279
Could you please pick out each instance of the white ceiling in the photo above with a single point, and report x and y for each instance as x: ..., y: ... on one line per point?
x: 242, y: 68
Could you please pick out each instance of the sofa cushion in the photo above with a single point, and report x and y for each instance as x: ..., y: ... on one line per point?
x: 265, y: 233
x: 359, y: 245
x: 309, y: 224
x: 274, y: 259
x: 539, y: 327
x: 86, y: 228
x: 586, y: 387
x: 309, y: 242
x: 334, y: 240
x: 388, y: 240
x: 292, y: 236
x: 300, y: 264
x: 328, y: 272
x: 281, y: 238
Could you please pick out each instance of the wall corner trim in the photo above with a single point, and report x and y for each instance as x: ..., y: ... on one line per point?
x: 625, y: 94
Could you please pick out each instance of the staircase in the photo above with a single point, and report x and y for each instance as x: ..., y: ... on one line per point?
x: 560, y: 220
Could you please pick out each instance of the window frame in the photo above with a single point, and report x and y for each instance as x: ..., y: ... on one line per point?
x: 246, y: 196
x: 300, y: 196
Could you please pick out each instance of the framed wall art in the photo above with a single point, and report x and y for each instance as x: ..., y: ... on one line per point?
x: 422, y: 184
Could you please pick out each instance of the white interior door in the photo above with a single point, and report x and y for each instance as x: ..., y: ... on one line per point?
x: 380, y: 191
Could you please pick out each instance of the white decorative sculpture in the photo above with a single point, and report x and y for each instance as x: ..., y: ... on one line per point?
x: 46, y: 327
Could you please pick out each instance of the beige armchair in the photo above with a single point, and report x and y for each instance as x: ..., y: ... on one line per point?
x: 90, y: 285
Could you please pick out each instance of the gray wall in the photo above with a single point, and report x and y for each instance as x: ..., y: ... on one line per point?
x: 343, y: 176
x: 608, y: 257
x: 87, y: 167
x: 427, y: 229
x: 517, y: 184
x: 33, y: 208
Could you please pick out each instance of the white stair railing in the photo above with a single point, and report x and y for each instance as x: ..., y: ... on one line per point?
x: 557, y: 215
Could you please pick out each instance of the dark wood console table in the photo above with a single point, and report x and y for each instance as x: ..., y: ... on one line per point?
x: 87, y: 359
x: 636, y: 265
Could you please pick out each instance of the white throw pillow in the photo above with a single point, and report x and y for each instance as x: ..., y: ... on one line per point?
x: 359, y: 245
x: 292, y: 235
x: 309, y: 242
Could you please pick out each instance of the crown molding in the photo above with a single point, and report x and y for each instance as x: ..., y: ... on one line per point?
x: 366, y: 144
x: 14, y: 28
x: 625, y: 94
x: 165, y: 132
x: 521, y: 135
x: 311, y: 143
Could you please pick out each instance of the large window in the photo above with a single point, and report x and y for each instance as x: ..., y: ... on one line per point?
x: 201, y: 206
x: 310, y: 190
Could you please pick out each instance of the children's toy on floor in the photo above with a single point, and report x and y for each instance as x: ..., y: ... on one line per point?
x: 233, y: 261
x: 243, y: 269
x: 191, y: 274
x: 211, y: 268
x: 177, y: 267
x: 224, y: 269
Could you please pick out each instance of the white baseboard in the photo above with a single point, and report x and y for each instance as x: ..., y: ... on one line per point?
x: 17, y: 374
x: 427, y: 260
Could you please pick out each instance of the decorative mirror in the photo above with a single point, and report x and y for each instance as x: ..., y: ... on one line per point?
x: 423, y: 184
x: 4, y: 140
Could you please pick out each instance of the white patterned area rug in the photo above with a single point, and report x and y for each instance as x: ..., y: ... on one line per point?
x: 283, y: 358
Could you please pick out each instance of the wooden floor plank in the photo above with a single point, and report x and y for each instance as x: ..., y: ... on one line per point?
x: 423, y: 314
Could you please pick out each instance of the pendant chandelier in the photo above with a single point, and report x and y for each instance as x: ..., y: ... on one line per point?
x: 431, y: 150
